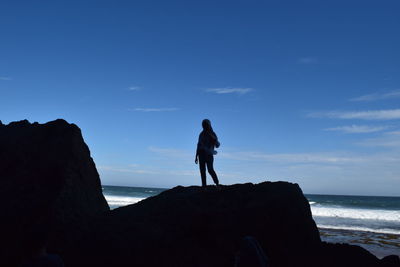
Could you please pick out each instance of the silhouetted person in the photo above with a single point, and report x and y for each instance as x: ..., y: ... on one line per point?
x: 205, y: 152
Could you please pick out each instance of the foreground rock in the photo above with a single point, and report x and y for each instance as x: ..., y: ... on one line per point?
x: 196, y: 227
x: 50, y: 188
x: 47, y: 179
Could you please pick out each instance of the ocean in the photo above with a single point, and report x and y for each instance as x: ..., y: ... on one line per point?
x: 118, y: 196
x: 368, y: 221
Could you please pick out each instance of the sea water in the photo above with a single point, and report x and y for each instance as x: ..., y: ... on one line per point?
x: 359, y: 213
x: 118, y: 196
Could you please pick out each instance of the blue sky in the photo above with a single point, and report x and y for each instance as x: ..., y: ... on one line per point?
x: 303, y: 91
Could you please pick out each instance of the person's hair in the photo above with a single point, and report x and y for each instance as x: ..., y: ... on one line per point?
x: 206, y: 123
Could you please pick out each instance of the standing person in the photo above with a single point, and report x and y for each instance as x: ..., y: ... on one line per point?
x: 205, y: 152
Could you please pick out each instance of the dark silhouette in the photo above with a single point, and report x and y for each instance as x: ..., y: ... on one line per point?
x: 50, y: 182
x: 45, y: 168
x: 251, y: 254
x: 35, y: 245
x: 190, y: 226
x: 205, y: 152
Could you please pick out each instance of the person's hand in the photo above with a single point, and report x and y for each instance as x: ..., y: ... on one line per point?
x: 196, y: 160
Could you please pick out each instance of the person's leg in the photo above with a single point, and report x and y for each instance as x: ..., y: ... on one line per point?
x: 202, y: 165
x: 210, y: 168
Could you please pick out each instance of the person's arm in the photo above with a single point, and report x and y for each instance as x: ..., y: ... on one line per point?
x: 215, y: 138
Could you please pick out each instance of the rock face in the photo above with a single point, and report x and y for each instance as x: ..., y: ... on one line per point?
x: 193, y: 226
x: 196, y: 227
x: 48, y: 179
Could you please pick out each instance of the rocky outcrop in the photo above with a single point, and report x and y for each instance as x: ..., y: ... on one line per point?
x: 347, y: 255
x: 196, y: 227
x: 193, y: 226
x: 47, y: 179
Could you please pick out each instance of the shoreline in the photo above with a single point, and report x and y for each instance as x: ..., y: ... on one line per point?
x: 379, y: 244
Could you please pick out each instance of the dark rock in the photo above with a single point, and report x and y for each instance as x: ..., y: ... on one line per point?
x: 346, y: 255
x: 197, y: 227
x: 47, y: 179
x: 391, y: 261
x: 193, y: 226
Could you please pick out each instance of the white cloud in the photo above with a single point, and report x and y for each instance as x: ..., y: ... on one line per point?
x: 308, y: 60
x: 146, y: 171
x: 321, y: 158
x: 126, y: 169
x: 294, y: 158
x: 376, y: 96
x: 260, y: 156
x: 171, y: 152
x: 388, y: 140
x: 335, y: 172
x: 358, y: 129
x: 230, y: 90
x: 134, y: 88
x: 385, y: 114
x: 4, y: 78
x: 155, y: 109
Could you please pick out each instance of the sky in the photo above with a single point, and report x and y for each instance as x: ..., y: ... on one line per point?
x: 300, y: 91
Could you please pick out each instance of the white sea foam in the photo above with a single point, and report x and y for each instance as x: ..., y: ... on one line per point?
x: 122, y: 200
x: 362, y: 214
x: 359, y: 228
x: 311, y: 202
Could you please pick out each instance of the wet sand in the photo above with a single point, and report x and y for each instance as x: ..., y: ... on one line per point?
x: 380, y: 245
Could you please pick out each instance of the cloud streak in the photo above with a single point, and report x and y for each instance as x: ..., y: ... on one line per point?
x: 4, y: 78
x: 376, y: 96
x: 307, y: 60
x: 170, y: 152
x: 155, y: 109
x: 147, y: 171
x: 126, y: 169
x: 230, y: 90
x: 287, y: 159
x: 357, y: 129
x: 385, y: 114
x: 292, y: 158
x: 388, y: 140
x: 134, y: 88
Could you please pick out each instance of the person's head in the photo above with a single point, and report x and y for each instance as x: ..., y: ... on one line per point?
x: 206, y: 123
